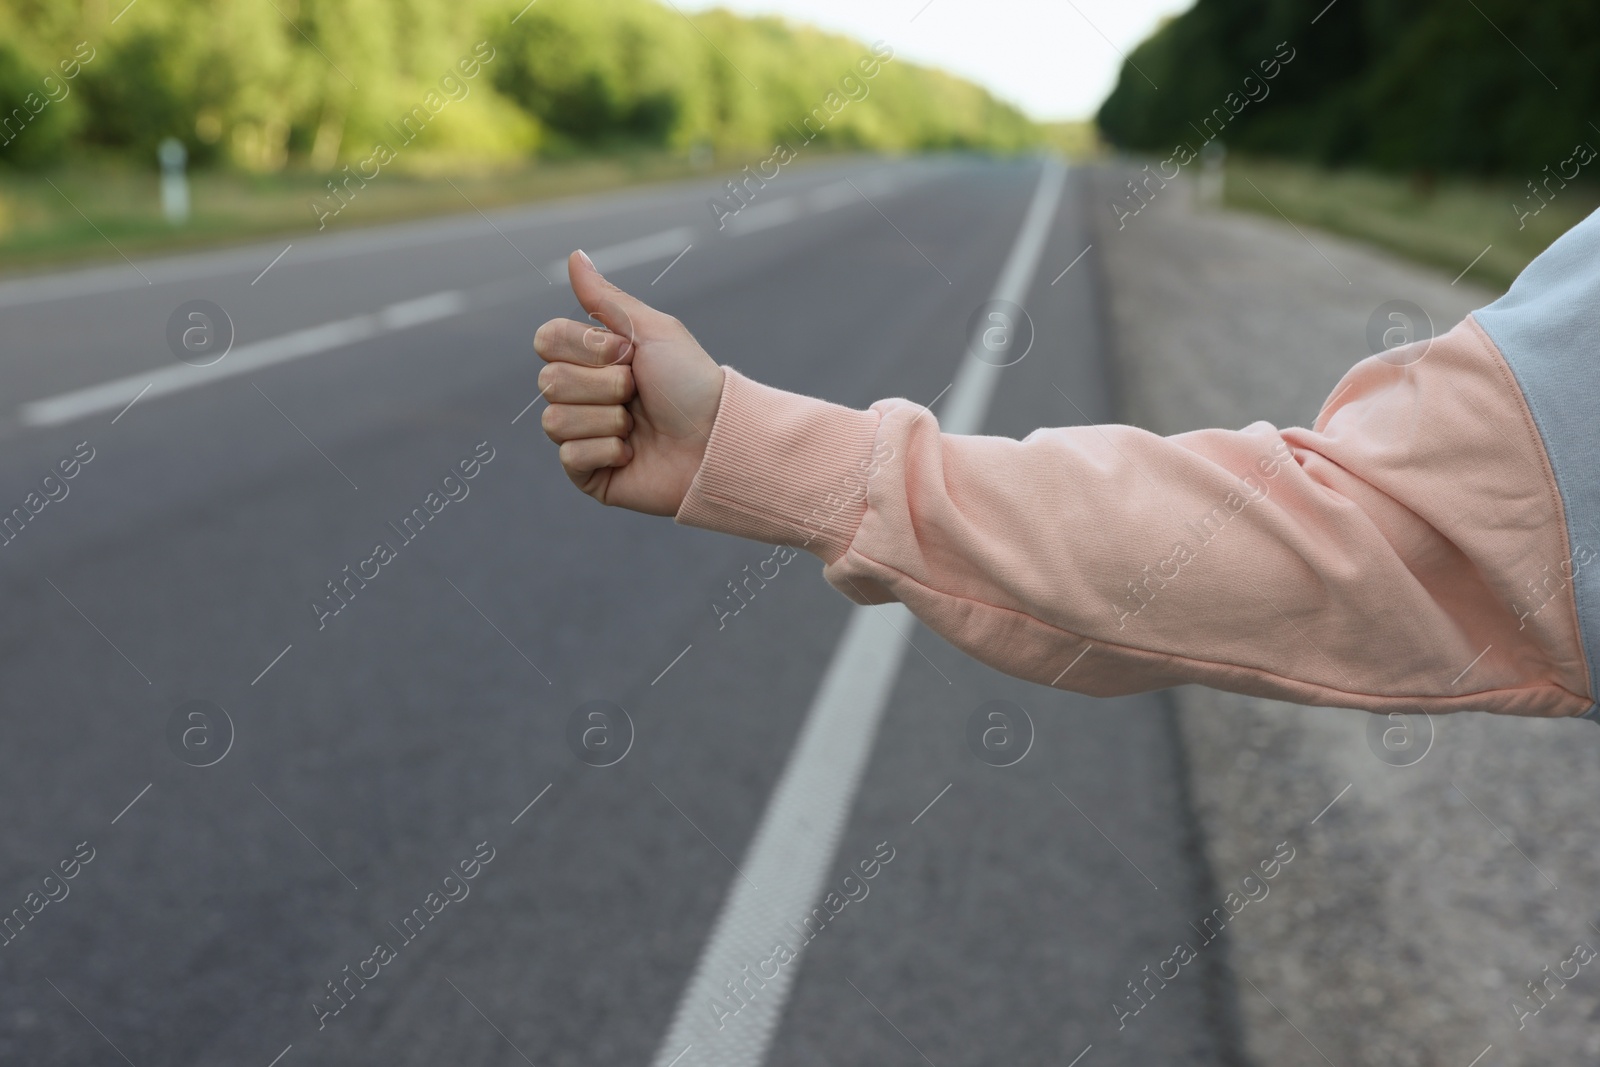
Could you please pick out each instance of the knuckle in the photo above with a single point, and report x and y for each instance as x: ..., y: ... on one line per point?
x: 575, y: 456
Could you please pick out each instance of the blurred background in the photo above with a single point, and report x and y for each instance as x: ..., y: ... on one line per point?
x: 1408, y: 124
x: 269, y: 272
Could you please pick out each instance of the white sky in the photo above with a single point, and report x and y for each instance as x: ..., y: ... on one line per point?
x: 1052, y: 57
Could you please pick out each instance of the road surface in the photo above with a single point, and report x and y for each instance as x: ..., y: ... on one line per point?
x: 271, y: 774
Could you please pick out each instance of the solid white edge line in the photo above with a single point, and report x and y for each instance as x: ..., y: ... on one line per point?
x: 791, y: 851
x: 794, y: 844
x: 964, y: 408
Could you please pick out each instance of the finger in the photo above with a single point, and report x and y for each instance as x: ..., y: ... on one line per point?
x: 583, y: 457
x: 568, y: 383
x: 569, y: 341
x: 571, y: 422
x: 620, y: 312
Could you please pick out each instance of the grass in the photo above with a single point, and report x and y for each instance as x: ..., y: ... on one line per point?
x: 1448, y: 223
x: 93, y: 212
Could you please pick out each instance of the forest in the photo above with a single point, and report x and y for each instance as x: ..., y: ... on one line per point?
x: 267, y: 85
x: 1471, y: 87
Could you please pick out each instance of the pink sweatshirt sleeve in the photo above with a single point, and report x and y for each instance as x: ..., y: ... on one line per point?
x: 1394, y: 557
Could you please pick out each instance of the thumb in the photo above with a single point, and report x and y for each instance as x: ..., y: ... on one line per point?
x: 617, y: 311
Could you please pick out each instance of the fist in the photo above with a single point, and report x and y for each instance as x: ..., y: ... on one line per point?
x: 632, y: 400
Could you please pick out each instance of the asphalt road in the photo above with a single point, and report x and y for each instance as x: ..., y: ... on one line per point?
x: 363, y: 760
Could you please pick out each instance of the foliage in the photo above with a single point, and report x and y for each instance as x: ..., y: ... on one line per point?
x: 319, y: 83
x: 39, y: 117
x: 1426, y: 85
x: 1458, y: 224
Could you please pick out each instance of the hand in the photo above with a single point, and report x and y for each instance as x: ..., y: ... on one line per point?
x: 632, y: 404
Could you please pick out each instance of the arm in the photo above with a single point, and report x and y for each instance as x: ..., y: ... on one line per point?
x: 1394, y: 557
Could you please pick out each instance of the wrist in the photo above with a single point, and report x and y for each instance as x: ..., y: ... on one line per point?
x: 782, y: 468
x: 703, y: 426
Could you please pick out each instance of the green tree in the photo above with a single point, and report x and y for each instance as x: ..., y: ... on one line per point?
x: 38, y: 116
x: 1492, y: 86
x: 318, y: 83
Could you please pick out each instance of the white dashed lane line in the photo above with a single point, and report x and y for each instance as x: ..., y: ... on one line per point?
x: 168, y: 379
x: 794, y: 844
x: 243, y: 359
x: 761, y: 216
x: 316, y: 340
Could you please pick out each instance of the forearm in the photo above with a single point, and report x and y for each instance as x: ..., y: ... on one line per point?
x: 1379, y: 560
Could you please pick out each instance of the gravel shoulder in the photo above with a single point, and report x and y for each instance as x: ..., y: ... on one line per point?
x: 1423, y: 899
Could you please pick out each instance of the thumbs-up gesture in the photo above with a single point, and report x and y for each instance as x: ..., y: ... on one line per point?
x: 632, y: 400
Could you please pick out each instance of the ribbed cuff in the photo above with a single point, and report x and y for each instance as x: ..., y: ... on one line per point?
x: 783, y: 468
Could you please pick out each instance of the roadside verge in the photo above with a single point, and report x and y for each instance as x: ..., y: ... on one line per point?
x: 1429, y: 895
